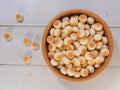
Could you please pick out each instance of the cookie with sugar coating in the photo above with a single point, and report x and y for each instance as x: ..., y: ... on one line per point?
x: 77, y: 74
x: 63, y: 35
x: 73, y: 36
x: 90, y: 20
x: 67, y: 41
x: 77, y: 68
x: 100, y: 32
x: 84, y: 65
x: 91, y: 62
x: 104, y: 40
x: 82, y: 50
x: 105, y: 52
x: 51, y: 47
x: 94, y: 53
x: 69, y: 47
x: 50, y: 39
x: 90, y: 38
x: 68, y: 29
x: 63, y: 53
x: 51, y: 54
x: 53, y: 62
x: 75, y: 29
x: 74, y: 20
x: 76, y: 45
x: 59, y: 66
x: 63, y: 70
x: 80, y: 33
x: 105, y: 46
x: 57, y: 24
x: 70, y: 54
x: 82, y: 60
x: 83, y: 18
x: 99, y: 59
x: 74, y: 17
x: 91, y: 69
x: 76, y: 61
x: 84, y: 72
x: 87, y: 56
x: 97, y: 65
x: 58, y: 56
x: 87, y: 33
x: 91, y: 45
x: 52, y: 31
x: 97, y: 37
x: 92, y: 32
x: 61, y: 63
x: 76, y: 53
x: 65, y: 23
x: 84, y: 41
x: 57, y: 32
x: 70, y: 72
x: 58, y: 42
x: 87, y: 27
x: 81, y: 25
x: 70, y: 65
x: 99, y: 44
x: 57, y: 50
x: 65, y: 19
x: 65, y: 60
x: 98, y: 26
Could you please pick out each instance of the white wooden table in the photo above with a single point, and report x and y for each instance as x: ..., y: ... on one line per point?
x: 15, y: 75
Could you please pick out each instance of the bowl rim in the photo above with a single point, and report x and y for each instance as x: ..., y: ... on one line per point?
x: 69, y: 13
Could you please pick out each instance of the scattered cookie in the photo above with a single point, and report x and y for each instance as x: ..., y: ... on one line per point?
x: 7, y: 36
x: 27, y: 41
x: 35, y: 45
x: 19, y: 17
x: 27, y: 59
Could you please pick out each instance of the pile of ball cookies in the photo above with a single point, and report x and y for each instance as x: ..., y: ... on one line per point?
x: 77, y: 45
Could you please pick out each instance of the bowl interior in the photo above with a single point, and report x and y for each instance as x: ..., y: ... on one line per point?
x: 76, y: 12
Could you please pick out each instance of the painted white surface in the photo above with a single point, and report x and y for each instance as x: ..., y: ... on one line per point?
x: 12, y: 52
x: 41, y: 78
x: 15, y: 75
x: 39, y: 12
x: 18, y: 49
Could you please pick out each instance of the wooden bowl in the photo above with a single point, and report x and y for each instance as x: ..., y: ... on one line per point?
x: 107, y: 34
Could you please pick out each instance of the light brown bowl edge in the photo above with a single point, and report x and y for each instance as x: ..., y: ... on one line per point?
x: 107, y: 33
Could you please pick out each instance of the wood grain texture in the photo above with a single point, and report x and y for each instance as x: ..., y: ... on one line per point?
x: 15, y: 75
x: 39, y: 12
x: 19, y: 50
x: 41, y: 78
x: 12, y: 52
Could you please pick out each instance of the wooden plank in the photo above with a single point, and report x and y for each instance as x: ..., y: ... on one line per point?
x: 12, y: 52
x: 39, y: 12
x: 41, y: 78
x: 116, y: 50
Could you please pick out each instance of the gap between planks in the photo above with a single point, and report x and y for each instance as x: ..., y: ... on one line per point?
x: 36, y: 26
x: 24, y: 65
x: 33, y: 65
